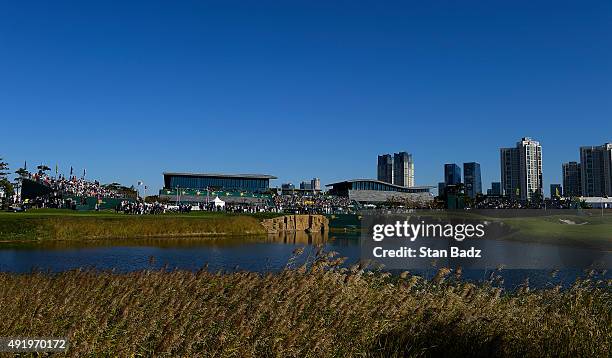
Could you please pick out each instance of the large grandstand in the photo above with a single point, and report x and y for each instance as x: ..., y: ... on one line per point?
x: 258, y: 183
x: 249, y: 189
x: 188, y: 195
x: 42, y: 190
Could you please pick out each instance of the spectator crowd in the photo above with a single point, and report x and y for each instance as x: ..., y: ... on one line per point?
x: 312, y: 204
x: 74, y: 186
x: 506, y: 203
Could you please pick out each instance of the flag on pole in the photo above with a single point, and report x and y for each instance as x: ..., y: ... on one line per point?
x: 25, y: 165
x: 71, y: 171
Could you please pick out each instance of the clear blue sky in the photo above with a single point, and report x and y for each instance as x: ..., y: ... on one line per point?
x: 300, y: 89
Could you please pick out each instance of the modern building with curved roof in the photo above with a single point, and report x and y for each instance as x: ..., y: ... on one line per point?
x: 376, y: 191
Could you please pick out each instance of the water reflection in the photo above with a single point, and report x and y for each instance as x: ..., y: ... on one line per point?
x: 291, y: 238
x: 300, y: 238
x: 253, y: 253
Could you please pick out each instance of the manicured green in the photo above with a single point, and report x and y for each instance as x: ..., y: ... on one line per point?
x: 590, y: 230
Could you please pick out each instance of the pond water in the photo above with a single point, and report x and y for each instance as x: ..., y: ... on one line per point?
x: 260, y: 254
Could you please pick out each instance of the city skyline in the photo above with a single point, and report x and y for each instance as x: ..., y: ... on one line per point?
x: 567, y: 179
x: 129, y: 92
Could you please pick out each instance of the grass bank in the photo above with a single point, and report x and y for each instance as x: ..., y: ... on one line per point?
x: 592, y: 231
x: 70, y: 225
x: 557, y: 227
x: 303, y: 312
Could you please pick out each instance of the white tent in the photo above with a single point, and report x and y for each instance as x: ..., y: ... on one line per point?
x: 219, y: 204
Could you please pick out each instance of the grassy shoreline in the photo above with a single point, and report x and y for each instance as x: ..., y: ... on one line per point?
x: 303, y: 312
x: 52, y: 224
x: 67, y: 225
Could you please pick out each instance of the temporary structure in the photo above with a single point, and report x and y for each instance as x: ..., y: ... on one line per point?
x: 218, y: 203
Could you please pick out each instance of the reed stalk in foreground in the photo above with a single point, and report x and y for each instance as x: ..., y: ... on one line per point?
x: 318, y: 310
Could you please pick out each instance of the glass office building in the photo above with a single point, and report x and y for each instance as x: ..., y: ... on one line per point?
x: 452, y: 174
x: 203, y: 181
x: 472, y: 179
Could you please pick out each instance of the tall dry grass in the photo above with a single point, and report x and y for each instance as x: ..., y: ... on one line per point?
x: 319, y: 310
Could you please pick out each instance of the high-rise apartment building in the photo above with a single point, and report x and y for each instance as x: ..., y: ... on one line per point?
x: 521, y: 169
x: 315, y: 183
x: 385, y: 168
x: 596, y: 170
x: 305, y: 185
x: 572, y: 186
x: 403, y: 169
